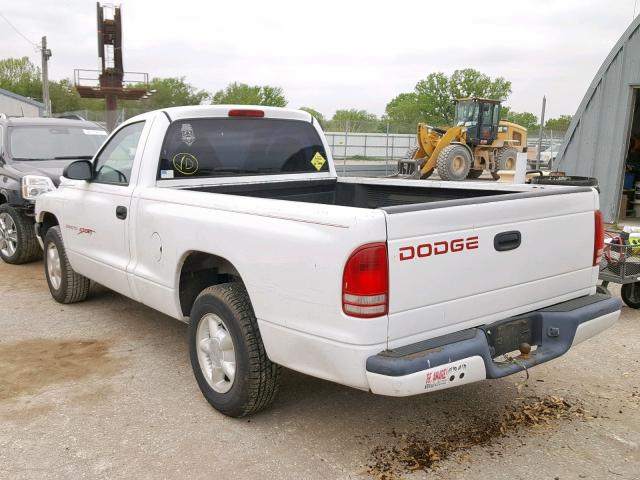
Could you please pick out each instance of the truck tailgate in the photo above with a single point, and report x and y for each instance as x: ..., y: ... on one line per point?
x: 453, y: 267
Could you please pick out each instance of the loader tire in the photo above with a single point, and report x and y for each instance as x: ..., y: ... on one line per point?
x: 411, y: 152
x: 454, y: 163
x: 506, y: 158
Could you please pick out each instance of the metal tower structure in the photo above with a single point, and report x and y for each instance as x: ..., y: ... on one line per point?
x: 111, y: 82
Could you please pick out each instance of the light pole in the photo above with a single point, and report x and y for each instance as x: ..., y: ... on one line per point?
x: 46, y: 55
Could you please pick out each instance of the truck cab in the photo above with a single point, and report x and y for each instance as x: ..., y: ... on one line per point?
x: 481, y: 117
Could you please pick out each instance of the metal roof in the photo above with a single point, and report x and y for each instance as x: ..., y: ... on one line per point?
x: 596, y: 142
x: 51, y: 121
x: 21, y: 98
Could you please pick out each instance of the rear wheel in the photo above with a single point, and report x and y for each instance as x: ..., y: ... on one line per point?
x: 454, y: 163
x: 18, y: 242
x: 227, y: 355
x: 506, y: 158
x: 630, y: 294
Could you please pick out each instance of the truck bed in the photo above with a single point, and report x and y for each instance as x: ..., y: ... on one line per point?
x: 371, y: 193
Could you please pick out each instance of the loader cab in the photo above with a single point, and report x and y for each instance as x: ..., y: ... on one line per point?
x: 480, y: 116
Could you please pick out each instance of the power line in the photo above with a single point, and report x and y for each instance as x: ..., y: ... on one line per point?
x: 36, y: 45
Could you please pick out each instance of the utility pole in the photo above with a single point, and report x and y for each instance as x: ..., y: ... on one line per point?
x: 46, y: 55
x: 544, y: 104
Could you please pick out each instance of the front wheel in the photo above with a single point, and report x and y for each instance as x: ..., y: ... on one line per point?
x: 65, y: 285
x: 630, y: 293
x: 227, y: 355
x: 454, y: 162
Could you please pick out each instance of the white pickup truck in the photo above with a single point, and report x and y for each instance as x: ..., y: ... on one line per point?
x: 232, y: 218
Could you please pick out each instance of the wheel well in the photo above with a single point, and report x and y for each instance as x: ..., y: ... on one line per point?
x: 48, y: 220
x: 199, y: 271
x: 3, y: 199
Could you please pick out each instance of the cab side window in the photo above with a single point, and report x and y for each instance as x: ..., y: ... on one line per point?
x: 114, y: 163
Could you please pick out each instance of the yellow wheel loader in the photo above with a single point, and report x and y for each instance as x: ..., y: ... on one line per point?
x: 478, y: 141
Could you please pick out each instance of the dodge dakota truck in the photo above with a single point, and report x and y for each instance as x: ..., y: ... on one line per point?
x: 232, y: 218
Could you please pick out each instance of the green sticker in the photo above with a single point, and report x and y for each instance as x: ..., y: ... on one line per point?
x: 185, y: 163
x: 318, y: 161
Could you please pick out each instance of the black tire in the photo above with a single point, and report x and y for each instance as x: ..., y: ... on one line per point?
x: 630, y: 293
x: 473, y: 174
x: 27, y: 248
x: 72, y: 286
x: 411, y: 152
x: 256, y: 379
x: 506, y: 158
x: 454, y: 163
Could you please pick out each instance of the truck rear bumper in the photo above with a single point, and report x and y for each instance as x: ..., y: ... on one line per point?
x: 470, y: 355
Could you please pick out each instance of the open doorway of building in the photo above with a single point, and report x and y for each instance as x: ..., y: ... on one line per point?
x: 630, y: 199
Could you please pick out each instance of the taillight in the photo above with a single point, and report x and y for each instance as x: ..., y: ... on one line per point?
x: 246, y: 113
x: 598, y: 239
x: 365, y: 282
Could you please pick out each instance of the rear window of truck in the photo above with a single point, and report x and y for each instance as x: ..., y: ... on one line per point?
x: 221, y: 147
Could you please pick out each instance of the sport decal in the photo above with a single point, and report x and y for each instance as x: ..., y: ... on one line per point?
x: 185, y: 163
x: 318, y: 161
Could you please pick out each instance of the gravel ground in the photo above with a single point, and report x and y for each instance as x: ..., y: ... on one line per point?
x: 104, y: 389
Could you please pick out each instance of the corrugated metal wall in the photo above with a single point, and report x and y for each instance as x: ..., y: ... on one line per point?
x: 597, y: 140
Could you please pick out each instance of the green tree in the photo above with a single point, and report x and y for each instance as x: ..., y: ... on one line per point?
x: 353, y: 120
x: 403, y: 112
x: 314, y: 113
x: 525, y: 119
x: 172, y: 92
x: 433, y: 98
x: 19, y: 75
x: 243, y: 94
x: 561, y: 123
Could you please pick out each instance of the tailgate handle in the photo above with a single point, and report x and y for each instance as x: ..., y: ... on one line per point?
x: 507, y: 241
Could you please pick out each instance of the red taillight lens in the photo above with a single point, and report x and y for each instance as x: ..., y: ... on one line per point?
x: 365, y: 282
x: 246, y: 113
x: 598, y: 239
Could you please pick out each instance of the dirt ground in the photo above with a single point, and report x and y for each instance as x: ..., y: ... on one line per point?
x: 103, y: 389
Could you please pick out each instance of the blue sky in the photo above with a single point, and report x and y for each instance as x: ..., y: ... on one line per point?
x: 339, y: 54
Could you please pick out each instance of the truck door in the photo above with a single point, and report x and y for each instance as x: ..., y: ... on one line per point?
x: 98, y: 212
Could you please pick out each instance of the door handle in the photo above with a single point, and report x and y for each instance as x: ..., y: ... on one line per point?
x: 121, y: 212
x: 505, y: 241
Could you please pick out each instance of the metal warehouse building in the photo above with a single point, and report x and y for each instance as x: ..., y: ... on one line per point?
x: 603, y: 140
x: 14, y: 105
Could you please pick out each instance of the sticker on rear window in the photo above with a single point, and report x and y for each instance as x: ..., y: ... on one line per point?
x: 94, y: 132
x: 318, y: 161
x: 187, y: 135
x: 185, y: 163
x: 166, y: 173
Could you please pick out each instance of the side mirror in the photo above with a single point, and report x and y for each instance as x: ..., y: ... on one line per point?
x: 79, y: 170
